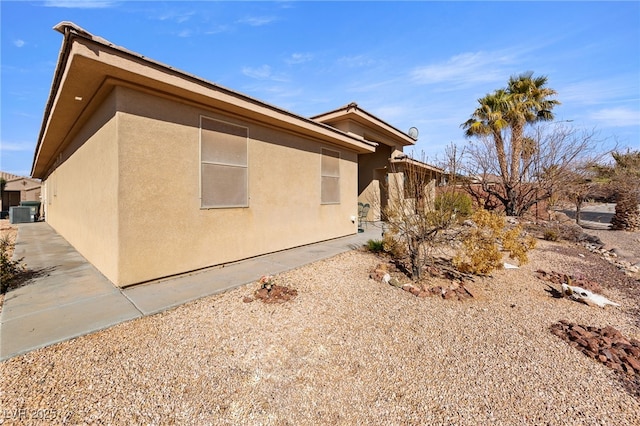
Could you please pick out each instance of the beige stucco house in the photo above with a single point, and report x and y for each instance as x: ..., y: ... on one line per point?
x: 373, y: 167
x: 18, y: 189
x: 150, y: 172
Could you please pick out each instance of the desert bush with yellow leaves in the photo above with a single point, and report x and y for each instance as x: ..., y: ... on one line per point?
x: 485, y: 243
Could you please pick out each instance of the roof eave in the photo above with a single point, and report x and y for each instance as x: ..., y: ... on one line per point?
x: 61, y: 64
x: 71, y: 32
x: 355, y: 112
x: 417, y: 163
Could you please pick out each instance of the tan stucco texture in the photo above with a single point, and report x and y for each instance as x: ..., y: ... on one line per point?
x: 136, y: 214
x: 81, y: 195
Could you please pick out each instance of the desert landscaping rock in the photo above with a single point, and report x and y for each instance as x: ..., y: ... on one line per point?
x: 621, y: 249
x: 454, y: 290
x: 559, y: 278
x: 606, y: 345
x: 347, y: 350
x: 275, y: 294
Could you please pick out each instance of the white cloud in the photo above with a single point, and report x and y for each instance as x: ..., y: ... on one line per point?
x: 19, y: 43
x: 218, y: 29
x: 593, y: 92
x: 16, y: 146
x: 356, y: 61
x: 262, y: 72
x: 185, y: 33
x: 80, y: 4
x: 280, y: 92
x: 616, y: 117
x: 178, y: 17
x: 299, y: 58
x: 257, y: 21
x: 392, y: 111
x: 466, y: 69
x: 184, y: 18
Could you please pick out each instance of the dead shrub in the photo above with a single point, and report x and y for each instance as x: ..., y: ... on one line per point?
x: 483, y: 244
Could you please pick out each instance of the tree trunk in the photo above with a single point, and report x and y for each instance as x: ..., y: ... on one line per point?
x: 516, y: 150
x: 414, y: 256
x: 511, y: 205
x: 502, y: 156
x: 578, y: 210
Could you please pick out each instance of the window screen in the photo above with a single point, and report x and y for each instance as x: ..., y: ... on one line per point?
x: 330, y: 177
x: 224, y: 166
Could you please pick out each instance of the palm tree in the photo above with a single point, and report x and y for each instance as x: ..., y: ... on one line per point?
x: 489, y: 120
x: 503, y: 115
x: 529, y: 104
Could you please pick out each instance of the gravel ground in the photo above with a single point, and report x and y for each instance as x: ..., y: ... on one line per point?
x: 627, y: 244
x: 346, y: 350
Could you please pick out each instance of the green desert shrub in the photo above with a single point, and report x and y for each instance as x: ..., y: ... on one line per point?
x: 375, y: 246
x: 395, y: 248
x: 551, y: 235
x: 455, y: 202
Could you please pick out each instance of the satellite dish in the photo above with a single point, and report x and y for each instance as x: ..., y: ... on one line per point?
x: 413, y: 133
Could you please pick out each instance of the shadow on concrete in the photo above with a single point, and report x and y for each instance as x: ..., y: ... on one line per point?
x: 26, y: 277
x: 600, y: 217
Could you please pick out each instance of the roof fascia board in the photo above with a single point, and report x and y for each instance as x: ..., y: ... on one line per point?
x: 73, y: 33
x: 354, y: 112
x: 416, y: 163
x: 61, y: 65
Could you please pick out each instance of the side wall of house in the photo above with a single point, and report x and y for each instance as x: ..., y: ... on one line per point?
x: 163, y: 228
x: 80, y: 194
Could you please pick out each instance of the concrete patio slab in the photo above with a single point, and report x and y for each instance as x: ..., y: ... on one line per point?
x: 45, y: 327
x: 64, y: 298
x: 67, y: 297
x: 49, y: 291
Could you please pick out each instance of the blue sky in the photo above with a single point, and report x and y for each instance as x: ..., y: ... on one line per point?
x: 421, y: 64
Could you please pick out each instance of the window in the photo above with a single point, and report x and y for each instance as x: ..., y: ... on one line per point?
x: 223, y: 164
x: 330, y: 177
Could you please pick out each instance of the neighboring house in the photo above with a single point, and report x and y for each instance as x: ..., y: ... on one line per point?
x: 151, y: 172
x: 18, y: 189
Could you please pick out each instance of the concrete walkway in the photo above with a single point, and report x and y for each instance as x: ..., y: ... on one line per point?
x: 67, y: 297
x: 593, y: 215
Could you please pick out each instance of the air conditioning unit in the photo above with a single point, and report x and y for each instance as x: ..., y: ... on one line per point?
x: 20, y: 214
